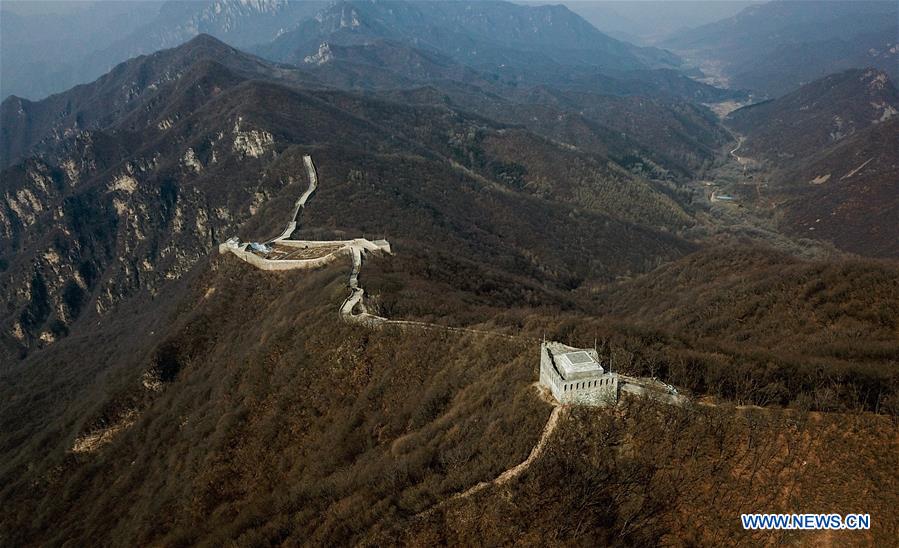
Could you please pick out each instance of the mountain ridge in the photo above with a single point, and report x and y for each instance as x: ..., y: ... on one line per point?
x: 461, y: 30
x: 829, y: 149
x: 156, y: 25
x: 775, y: 47
x: 158, y: 389
x: 817, y: 114
x: 128, y: 86
x: 137, y: 199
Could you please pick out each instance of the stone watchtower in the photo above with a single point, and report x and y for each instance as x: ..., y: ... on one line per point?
x: 574, y: 375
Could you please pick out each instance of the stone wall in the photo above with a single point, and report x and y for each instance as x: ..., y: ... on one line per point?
x: 599, y: 391
x: 265, y: 264
x: 646, y: 388
x: 367, y: 245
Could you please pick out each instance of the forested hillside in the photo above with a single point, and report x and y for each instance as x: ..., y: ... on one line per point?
x: 312, y: 294
x: 829, y: 150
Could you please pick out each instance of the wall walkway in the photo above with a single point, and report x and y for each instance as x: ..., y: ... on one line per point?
x: 353, y: 310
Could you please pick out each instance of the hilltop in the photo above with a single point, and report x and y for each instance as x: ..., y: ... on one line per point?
x: 246, y: 411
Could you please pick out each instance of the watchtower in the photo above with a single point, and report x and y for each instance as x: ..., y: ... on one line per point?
x: 575, y: 375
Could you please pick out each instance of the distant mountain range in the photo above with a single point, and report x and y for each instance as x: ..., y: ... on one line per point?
x: 817, y: 115
x: 136, y: 88
x: 649, y: 22
x: 91, y: 42
x: 46, y: 54
x: 379, y: 63
x: 478, y: 33
x: 774, y: 48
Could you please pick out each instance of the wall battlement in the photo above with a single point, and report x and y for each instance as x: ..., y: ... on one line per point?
x: 576, y: 376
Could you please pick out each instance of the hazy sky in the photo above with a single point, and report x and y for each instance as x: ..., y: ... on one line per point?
x: 26, y: 7
x: 648, y: 20
x: 636, y: 20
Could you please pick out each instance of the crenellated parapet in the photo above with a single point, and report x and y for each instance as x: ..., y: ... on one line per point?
x: 576, y: 376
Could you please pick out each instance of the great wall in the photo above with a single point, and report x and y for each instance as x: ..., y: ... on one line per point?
x: 284, y: 253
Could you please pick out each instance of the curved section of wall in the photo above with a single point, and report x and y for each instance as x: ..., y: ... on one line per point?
x: 296, y: 264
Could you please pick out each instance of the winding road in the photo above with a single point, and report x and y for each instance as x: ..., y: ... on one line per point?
x: 733, y: 152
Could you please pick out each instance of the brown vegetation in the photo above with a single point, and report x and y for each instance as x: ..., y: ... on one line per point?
x: 277, y: 422
x: 648, y: 474
x: 829, y: 151
x: 743, y: 324
x: 208, y: 402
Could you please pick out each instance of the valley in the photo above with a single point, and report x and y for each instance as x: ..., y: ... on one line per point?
x: 738, y: 205
x: 286, y: 273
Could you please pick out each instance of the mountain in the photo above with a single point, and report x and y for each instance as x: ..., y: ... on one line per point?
x: 851, y: 196
x: 831, y: 149
x: 816, y: 115
x: 774, y: 48
x: 384, y: 64
x: 247, y: 411
x: 156, y: 389
x: 475, y: 33
x: 238, y: 22
x: 636, y: 119
x: 664, y: 138
x: 648, y: 120
x: 370, y: 45
x: 780, y: 71
x: 138, y: 174
x: 131, y: 91
x: 651, y: 21
x: 659, y: 82
x: 46, y: 54
x: 517, y: 44
x: 31, y: 127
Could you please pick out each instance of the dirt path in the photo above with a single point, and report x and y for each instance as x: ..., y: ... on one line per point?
x: 856, y: 170
x: 519, y: 468
x: 536, y: 452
